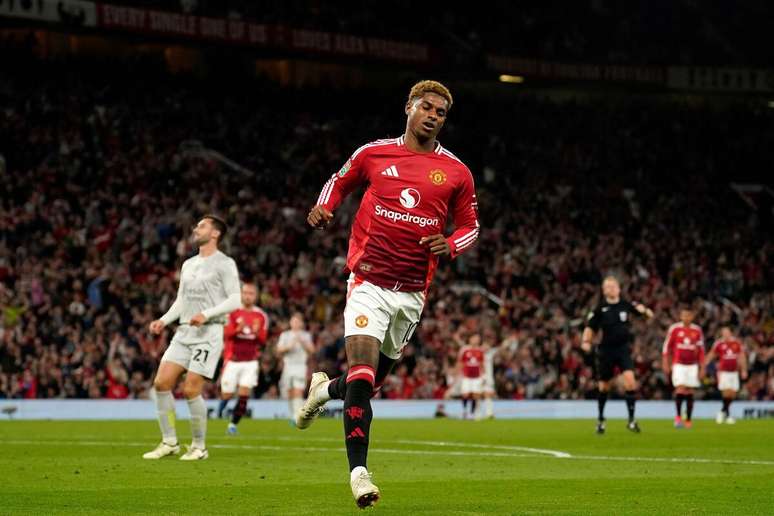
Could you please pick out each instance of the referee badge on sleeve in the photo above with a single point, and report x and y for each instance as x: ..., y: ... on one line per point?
x: 623, y: 316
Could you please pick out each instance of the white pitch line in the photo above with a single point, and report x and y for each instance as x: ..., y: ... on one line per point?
x: 678, y: 460
x: 279, y: 448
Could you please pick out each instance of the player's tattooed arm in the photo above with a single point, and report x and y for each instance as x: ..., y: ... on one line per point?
x: 437, y: 244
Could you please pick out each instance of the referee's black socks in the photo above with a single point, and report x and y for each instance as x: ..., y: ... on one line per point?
x: 631, y: 397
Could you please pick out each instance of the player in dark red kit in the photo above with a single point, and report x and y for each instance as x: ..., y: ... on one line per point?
x: 412, y: 185
x: 732, y: 362
x: 470, y: 362
x: 684, y: 345
x: 245, y: 335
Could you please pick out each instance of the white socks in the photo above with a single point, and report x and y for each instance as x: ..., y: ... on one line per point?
x: 198, y: 421
x: 165, y: 411
x: 489, y: 404
x: 322, y: 395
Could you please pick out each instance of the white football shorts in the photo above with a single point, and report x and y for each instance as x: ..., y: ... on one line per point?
x: 389, y: 316
x: 685, y: 375
x: 292, y: 379
x: 472, y: 385
x: 728, y: 380
x: 239, y: 374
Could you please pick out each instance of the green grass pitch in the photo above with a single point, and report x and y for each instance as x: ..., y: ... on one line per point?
x: 422, y: 467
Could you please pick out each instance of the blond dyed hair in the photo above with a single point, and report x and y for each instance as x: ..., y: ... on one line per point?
x: 422, y: 87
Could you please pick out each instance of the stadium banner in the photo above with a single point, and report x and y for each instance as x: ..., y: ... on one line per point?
x: 592, y: 72
x: 73, y: 13
x: 721, y: 79
x: 239, y: 32
x: 389, y: 409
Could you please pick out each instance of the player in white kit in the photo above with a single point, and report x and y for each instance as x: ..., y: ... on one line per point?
x: 208, y: 291
x: 489, y: 384
x: 294, y: 346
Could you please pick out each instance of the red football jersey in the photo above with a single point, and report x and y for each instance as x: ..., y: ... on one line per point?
x: 244, y: 345
x: 728, y: 352
x: 685, y: 344
x: 409, y: 195
x: 472, y: 361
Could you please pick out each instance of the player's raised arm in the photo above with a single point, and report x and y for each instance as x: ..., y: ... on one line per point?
x: 464, y: 209
x: 644, y: 310
x: 592, y: 325
x: 336, y: 189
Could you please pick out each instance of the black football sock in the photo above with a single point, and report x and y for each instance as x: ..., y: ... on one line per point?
x: 239, y: 410
x: 222, y: 407
x: 679, y: 404
x: 473, y: 404
x: 601, y: 400
x: 337, y: 389
x: 726, y: 406
x: 357, y: 414
x: 630, y: 401
x: 464, y: 405
x: 689, y: 406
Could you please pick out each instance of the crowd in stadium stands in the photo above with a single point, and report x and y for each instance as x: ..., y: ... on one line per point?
x: 677, y: 32
x: 99, y: 195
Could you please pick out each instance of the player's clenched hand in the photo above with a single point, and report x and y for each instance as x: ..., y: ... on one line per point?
x: 197, y: 320
x: 437, y: 244
x: 319, y: 217
x: 156, y: 326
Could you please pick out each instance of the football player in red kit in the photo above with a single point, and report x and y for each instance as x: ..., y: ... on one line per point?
x: 732, y: 363
x: 684, y: 345
x: 413, y: 184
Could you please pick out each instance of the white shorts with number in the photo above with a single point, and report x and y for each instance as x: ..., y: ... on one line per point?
x: 472, y: 385
x: 199, y: 357
x: 239, y: 374
x: 292, y: 379
x: 685, y: 375
x: 389, y: 316
x: 728, y: 380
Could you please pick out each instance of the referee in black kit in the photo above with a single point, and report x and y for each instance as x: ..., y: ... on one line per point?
x: 613, y: 317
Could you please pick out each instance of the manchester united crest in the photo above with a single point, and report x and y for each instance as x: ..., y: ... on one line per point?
x: 437, y: 177
x: 361, y: 321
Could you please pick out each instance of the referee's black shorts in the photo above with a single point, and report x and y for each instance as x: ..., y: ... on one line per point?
x: 608, y: 359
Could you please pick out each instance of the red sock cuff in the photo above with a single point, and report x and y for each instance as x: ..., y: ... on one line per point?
x: 362, y: 372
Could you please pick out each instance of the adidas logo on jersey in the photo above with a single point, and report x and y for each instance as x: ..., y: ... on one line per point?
x: 392, y: 171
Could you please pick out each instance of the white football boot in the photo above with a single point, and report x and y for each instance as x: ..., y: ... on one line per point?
x: 720, y: 418
x: 365, y: 492
x: 195, y: 454
x: 313, y: 406
x: 162, y: 450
